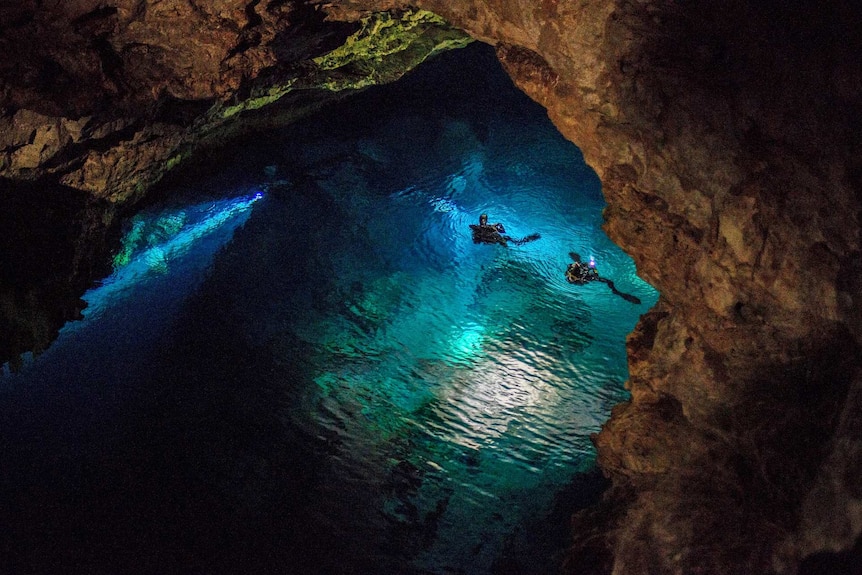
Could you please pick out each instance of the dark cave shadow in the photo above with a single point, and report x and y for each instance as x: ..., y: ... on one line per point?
x: 844, y: 563
x: 53, y: 247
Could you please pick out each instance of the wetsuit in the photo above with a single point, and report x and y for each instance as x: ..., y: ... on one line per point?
x: 488, y: 234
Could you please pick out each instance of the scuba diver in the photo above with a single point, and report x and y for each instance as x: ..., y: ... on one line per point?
x: 486, y: 233
x: 581, y: 273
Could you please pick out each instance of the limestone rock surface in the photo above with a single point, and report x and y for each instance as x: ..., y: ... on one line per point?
x: 108, y: 97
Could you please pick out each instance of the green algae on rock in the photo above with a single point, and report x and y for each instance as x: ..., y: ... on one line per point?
x: 386, y: 46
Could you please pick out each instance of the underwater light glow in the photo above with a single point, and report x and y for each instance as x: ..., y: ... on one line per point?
x: 155, y: 241
x: 169, y: 232
x: 468, y: 343
x: 350, y: 359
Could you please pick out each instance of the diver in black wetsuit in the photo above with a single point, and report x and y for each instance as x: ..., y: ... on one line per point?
x: 581, y: 273
x: 486, y: 233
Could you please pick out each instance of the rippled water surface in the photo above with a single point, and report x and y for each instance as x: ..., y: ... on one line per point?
x: 303, y: 364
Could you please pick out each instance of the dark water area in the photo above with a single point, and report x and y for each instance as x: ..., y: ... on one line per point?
x: 302, y: 364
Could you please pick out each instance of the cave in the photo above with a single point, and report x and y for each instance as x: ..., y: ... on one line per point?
x: 725, y: 136
x: 300, y: 329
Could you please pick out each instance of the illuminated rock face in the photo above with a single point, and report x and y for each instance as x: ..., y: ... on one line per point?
x: 726, y: 137
x: 107, y: 99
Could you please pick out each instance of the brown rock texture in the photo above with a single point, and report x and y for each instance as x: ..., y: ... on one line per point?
x: 727, y: 138
x: 108, y: 97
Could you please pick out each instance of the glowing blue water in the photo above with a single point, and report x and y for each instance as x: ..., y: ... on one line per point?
x: 479, y: 366
x: 332, y: 369
x: 166, y: 253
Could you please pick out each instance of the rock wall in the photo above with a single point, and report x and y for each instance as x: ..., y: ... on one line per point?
x: 726, y: 135
x: 108, y: 97
x: 726, y: 138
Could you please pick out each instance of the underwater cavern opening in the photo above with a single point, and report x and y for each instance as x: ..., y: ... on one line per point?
x: 303, y: 333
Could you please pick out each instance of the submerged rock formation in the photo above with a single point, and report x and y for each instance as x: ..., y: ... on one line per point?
x: 726, y: 135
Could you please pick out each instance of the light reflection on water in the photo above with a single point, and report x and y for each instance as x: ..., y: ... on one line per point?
x: 446, y: 390
x: 483, y: 361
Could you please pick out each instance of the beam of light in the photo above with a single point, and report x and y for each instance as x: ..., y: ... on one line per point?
x: 151, y: 246
x: 164, y: 256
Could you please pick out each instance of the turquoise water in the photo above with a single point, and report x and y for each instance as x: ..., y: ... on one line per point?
x: 303, y: 364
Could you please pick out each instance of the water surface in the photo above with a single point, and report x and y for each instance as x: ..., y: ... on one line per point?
x: 303, y: 364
